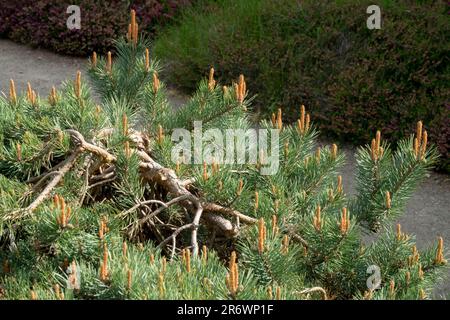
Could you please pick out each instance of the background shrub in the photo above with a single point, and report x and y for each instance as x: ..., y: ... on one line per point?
x: 43, y: 22
x: 321, y: 54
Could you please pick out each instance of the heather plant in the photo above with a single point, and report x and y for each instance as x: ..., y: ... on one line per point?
x: 44, y: 23
x: 321, y: 53
x: 94, y: 207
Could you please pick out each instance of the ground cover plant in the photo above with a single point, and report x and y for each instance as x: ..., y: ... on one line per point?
x: 321, y: 54
x: 43, y: 23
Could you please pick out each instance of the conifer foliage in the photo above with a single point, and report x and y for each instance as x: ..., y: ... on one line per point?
x: 93, y: 207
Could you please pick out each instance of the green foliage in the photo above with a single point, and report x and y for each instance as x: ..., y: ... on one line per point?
x: 321, y: 54
x: 104, y: 232
x: 44, y: 24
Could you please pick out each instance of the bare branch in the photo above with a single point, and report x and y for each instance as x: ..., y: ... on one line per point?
x: 314, y: 289
x: 212, y: 207
x: 68, y: 163
x: 79, y: 140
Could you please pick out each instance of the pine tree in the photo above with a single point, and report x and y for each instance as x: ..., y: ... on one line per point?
x: 92, y: 205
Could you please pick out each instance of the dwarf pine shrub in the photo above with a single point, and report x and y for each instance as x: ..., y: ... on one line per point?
x: 93, y: 206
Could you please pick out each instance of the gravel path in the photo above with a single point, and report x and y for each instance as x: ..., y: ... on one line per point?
x: 427, y: 214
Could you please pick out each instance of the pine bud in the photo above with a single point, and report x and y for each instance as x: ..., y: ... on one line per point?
x: 101, y: 230
x: 440, y: 252
x: 133, y: 18
x: 388, y: 200
x: 373, y: 152
x: 279, y: 119
x: 306, y: 160
x: 161, y: 286
x: 274, y: 120
x: 317, y: 220
x: 205, y: 171
x: 330, y: 195
x: 278, y: 293
x: 133, y: 26
x: 318, y: 151
x: 147, y: 60
x: 261, y: 235
x: 269, y: 292
x: 225, y: 92
x: 307, y: 122
x: 55, y: 201
x: 129, y: 33
x: 104, y: 265
x: 53, y: 98
x: 399, y: 234
x: 256, y: 200
x: 156, y: 82
x: 94, y: 60
x: 339, y: 184
x: 98, y: 110
x: 299, y: 126
x: 334, y: 151
x: 124, y: 249
x: 240, y: 89
x: 345, y: 221
x: 73, y: 276
x: 129, y: 279
x: 376, y: 149
x: 286, y: 150
x: 34, y: 98
x: 12, y: 92
x: 420, y: 273
x: 152, y: 259
x: 163, y: 265
x: 188, y: 260
x: 236, y: 91
x: 29, y: 92
x: 285, y: 245
x: 301, y: 121
x: 124, y: 124
x: 214, y: 166
x: 378, y: 140
x: 419, y: 132
x: 274, y: 225
x: 57, y: 291
x: 274, y: 190
x: 422, y: 294
x: 109, y: 62
x: 204, y: 254
x: 415, y: 254
x: 160, y: 134
x: 232, y: 278
x: 261, y: 159
x: 368, y: 294
x: 211, y: 81
x: 423, y: 147
x: 136, y: 34
x: 127, y: 150
x: 416, y: 148
x: 391, y: 288
x: 19, y: 151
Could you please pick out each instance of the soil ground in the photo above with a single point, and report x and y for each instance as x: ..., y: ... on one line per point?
x: 427, y: 214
